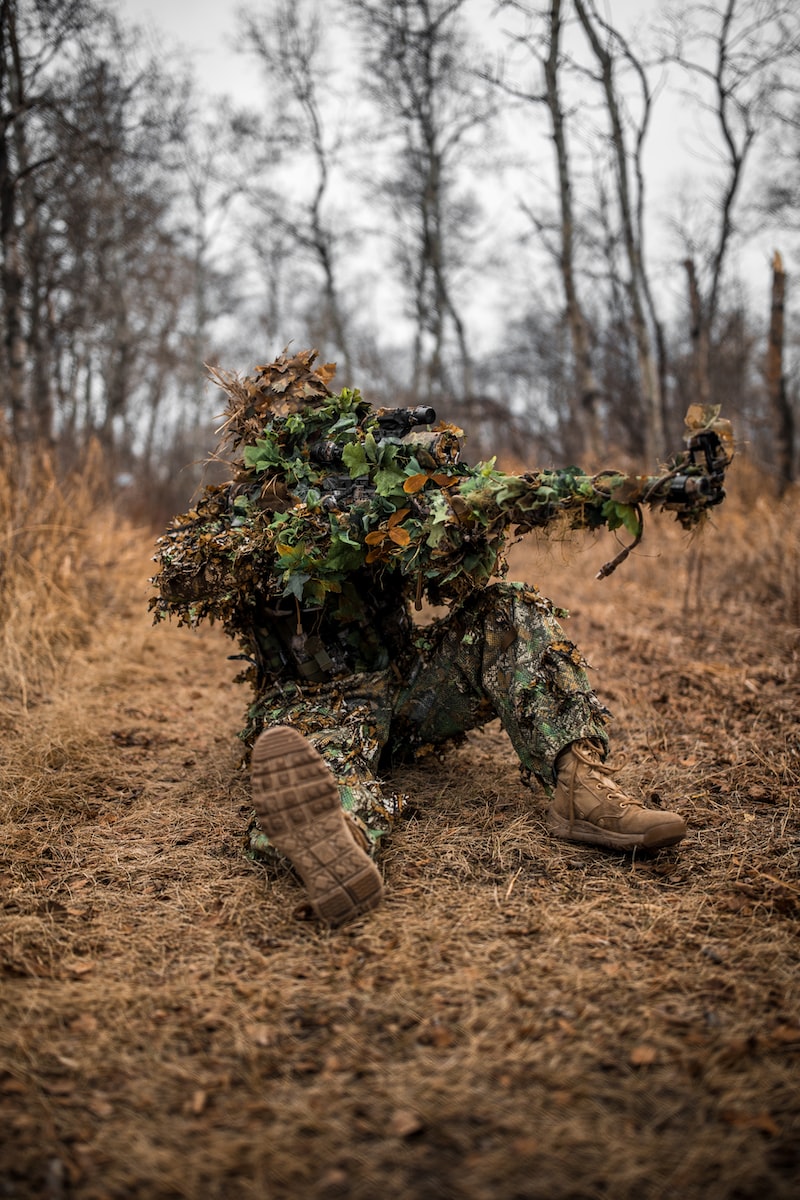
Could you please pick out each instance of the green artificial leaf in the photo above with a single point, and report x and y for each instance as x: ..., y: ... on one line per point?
x: 371, y: 447
x: 290, y: 557
x: 344, y: 557
x: 389, y: 481
x: 354, y: 457
x: 295, y: 584
x: 349, y: 399
x: 295, y: 424
x: 439, y: 532
x: 388, y: 453
x: 509, y: 488
x: 255, y: 458
x: 317, y: 589
x: 278, y: 521
x: 341, y: 533
x: 344, y: 424
x: 621, y: 514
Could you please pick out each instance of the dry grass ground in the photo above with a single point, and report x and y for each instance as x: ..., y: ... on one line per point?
x: 523, y: 1018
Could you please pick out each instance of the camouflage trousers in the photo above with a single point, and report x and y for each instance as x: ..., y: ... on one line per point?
x: 502, y: 653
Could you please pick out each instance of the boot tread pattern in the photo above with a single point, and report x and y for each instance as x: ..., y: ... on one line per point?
x: 297, y: 803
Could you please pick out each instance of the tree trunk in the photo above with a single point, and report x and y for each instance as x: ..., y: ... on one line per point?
x: 648, y: 368
x: 588, y: 391
x: 11, y: 101
x: 700, y: 340
x: 776, y: 380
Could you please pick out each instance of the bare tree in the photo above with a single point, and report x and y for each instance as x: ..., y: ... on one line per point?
x: 215, y: 163
x: 545, y: 47
x: 115, y: 136
x: 627, y: 143
x: 611, y: 213
x: 418, y: 63
x: 588, y: 391
x: 782, y: 412
x: 289, y: 42
x: 742, y: 61
x: 93, y: 257
x: 32, y: 36
x: 779, y: 169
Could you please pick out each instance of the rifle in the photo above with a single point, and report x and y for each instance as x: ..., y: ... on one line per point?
x: 689, y: 487
x: 695, y: 482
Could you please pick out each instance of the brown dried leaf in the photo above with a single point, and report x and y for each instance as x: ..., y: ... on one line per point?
x: 415, y: 483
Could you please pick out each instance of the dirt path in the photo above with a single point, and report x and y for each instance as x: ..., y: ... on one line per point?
x: 523, y: 1018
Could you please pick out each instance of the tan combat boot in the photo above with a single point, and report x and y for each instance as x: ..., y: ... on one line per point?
x: 588, y: 806
x: 297, y: 803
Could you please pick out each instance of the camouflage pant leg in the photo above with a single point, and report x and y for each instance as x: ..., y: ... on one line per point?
x: 348, y: 723
x: 500, y: 654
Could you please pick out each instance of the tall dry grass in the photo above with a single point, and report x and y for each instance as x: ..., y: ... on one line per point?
x: 758, y: 559
x: 66, y: 558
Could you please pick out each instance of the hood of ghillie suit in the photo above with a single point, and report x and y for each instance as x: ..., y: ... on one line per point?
x: 287, y: 433
x: 283, y: 388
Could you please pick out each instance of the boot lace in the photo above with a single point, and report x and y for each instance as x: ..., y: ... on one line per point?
x: 600, y: 774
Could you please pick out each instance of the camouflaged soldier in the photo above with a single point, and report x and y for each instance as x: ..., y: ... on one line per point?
x: 339, y: 519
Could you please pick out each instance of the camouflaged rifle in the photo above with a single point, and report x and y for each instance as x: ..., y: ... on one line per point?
x: 689, y: 487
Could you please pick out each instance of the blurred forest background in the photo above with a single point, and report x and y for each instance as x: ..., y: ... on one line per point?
x: 456, y: 201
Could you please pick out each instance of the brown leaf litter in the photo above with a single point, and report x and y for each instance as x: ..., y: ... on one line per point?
x: 523, y: 1017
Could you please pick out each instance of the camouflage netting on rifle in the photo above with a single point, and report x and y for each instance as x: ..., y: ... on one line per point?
x: 321, y: 495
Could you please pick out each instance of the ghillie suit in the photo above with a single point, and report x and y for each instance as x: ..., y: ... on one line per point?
x: 339, y: 517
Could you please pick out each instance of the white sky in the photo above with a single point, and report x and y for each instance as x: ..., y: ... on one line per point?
x: 206, y: 29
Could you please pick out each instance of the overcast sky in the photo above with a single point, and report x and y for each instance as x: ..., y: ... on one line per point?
x: 206, y: 29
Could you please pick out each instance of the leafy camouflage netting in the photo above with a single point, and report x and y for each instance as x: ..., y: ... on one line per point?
x: 330, y: 495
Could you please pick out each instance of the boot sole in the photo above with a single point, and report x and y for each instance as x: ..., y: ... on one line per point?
x: 297, y: 803
x: 593, y: 835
